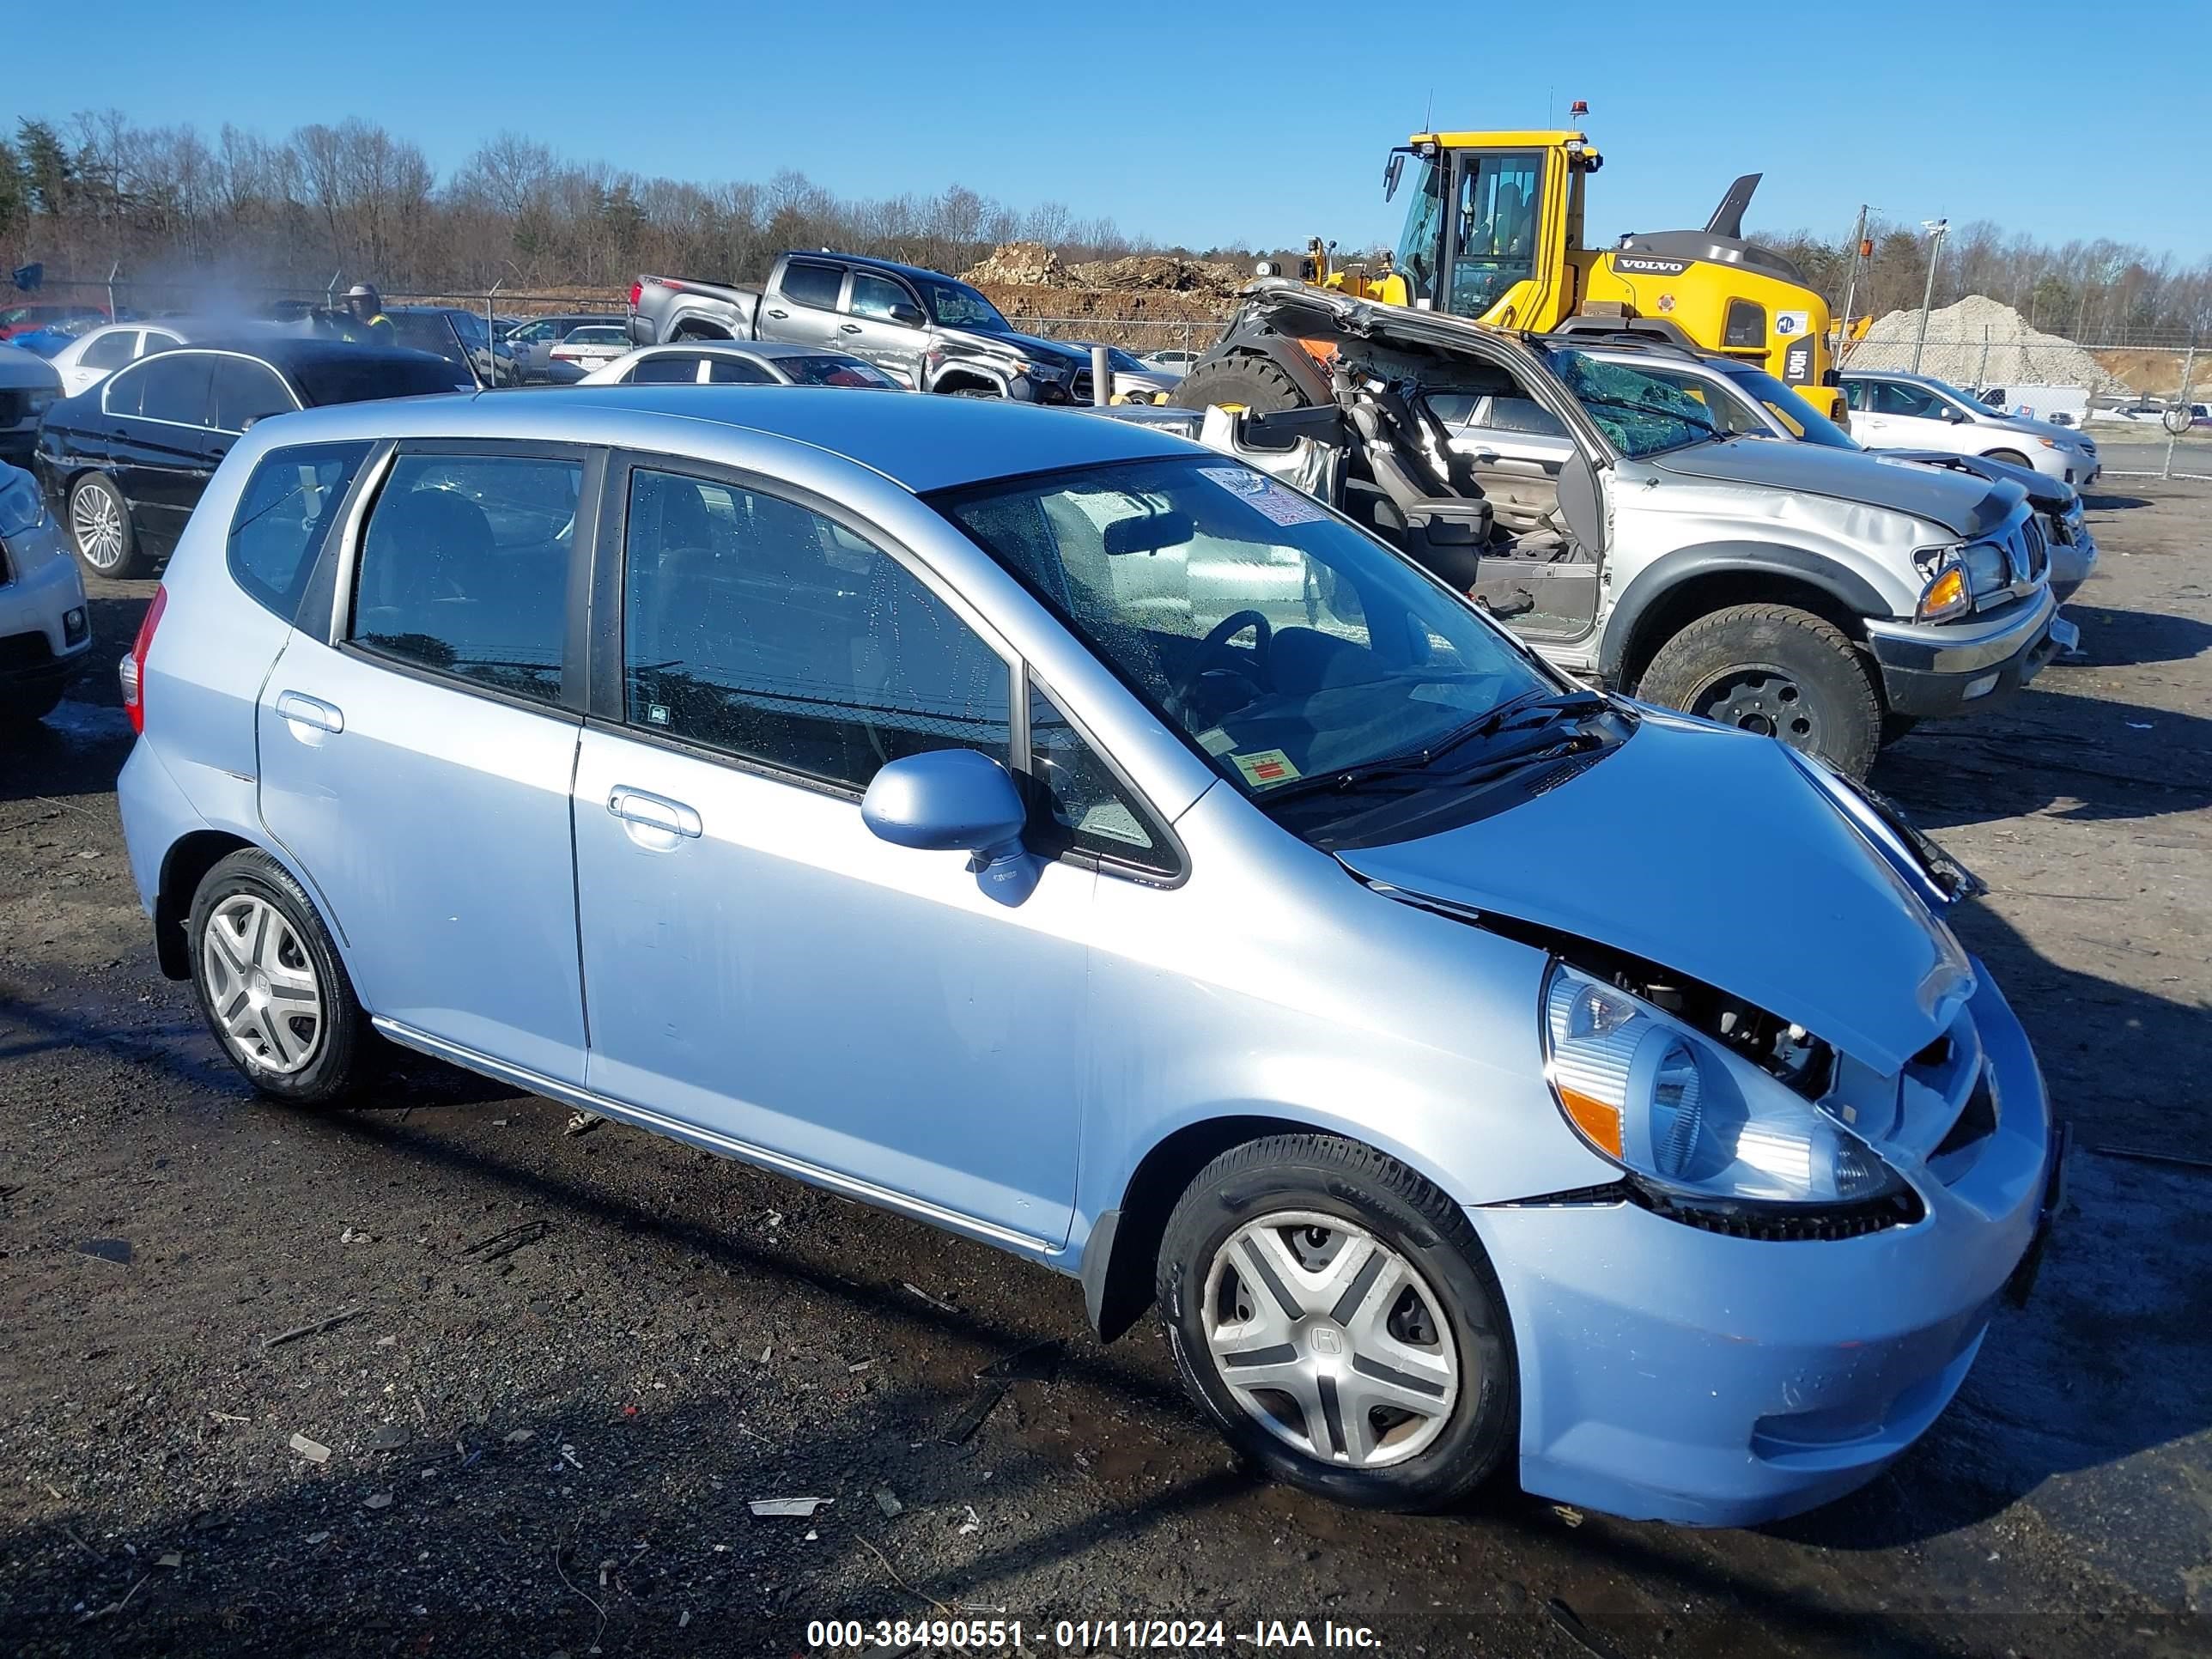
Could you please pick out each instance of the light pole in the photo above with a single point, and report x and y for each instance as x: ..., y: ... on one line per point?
x: 1937, y: 229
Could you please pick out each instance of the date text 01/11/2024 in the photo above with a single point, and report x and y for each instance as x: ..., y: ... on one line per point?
x: 1100, y: 1635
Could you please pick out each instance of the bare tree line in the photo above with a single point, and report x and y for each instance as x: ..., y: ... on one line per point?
x: 2102, y: 292
x: 173, y: 206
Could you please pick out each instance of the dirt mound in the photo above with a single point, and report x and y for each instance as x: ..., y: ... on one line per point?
x: 1159, y: 270
x: 1018, y: 265
x: 1980, y: 342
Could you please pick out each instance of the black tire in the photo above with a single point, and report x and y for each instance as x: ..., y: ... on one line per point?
x: 2010, y: 457
x: 99, y: 494
x: 1775, y: 669
x: 22, y: 709
x: 1243, y: 379
x: 1325, y: 1175
x: 345, y: 1053
x: 992, y: 393
x: 1895, y: 728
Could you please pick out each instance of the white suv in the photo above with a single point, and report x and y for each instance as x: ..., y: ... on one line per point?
x: 45, y: 628
x: 1892, y: 409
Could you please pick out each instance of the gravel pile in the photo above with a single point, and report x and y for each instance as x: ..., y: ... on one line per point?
x: 1980, y: 342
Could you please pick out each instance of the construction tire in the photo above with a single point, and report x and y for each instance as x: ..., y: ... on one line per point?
x: 1241, y: 381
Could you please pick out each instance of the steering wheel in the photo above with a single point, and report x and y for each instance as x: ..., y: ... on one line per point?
x: 1215, y: 664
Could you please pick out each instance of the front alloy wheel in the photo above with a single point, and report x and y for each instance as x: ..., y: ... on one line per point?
x: 1330, y: 1339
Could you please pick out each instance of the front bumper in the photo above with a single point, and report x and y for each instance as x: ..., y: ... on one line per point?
x: 1928, y: 671
x: 45, y: 630
x: 1672, y: 1374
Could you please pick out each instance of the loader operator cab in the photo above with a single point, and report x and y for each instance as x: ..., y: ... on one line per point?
x: 1487, y: 227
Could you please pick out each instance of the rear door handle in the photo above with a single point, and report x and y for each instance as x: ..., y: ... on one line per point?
x: 304, y: 710
x: 848, y: 328
x: 778, y: 314
x: 653, y: 811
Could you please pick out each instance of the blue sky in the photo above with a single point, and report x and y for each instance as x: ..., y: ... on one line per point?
x: 1201, y: 124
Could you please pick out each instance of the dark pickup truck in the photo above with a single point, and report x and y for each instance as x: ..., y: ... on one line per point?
x: 924, y: 330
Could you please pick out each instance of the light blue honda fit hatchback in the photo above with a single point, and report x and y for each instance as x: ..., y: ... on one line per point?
x: 1044, y: 827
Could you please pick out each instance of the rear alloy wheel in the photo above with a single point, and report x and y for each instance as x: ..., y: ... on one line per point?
x: 1336, y: 1316
x: 1777, y: 671
x: 271, y: 984
x: 99, y: 524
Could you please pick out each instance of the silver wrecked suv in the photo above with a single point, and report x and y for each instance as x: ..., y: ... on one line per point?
x: 1824, y: 597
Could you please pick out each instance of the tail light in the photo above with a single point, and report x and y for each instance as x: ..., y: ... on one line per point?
x: 635, y: 289
x: 132, y: 669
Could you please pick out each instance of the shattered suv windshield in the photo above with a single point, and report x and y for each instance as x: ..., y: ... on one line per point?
x: 1641, y: 414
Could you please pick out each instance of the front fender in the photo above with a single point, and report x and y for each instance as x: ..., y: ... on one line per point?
x: 1666, y: 576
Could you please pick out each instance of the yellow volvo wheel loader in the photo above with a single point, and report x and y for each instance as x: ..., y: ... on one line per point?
x: 1493, y: 231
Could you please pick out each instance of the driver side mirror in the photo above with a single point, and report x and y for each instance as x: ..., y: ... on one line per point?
x: 956, y: 800
x: 908, y: 316
x: 1956, y: 417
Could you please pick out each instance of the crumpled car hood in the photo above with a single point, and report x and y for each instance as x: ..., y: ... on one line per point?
x: 1965, y: 506
x: 1706, y: 850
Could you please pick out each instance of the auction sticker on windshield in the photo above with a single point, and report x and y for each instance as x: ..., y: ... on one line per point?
x: 1277, y: 502
x: 1265, y: 766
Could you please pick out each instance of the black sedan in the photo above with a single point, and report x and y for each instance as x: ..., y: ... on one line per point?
x: 123, y: 463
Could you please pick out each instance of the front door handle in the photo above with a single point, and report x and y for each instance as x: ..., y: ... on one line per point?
x: 670, y: 817
x: 779, y: 315
x: 304, y: 710
x: 848, y: 328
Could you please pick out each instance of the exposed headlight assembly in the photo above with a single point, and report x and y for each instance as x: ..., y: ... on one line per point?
x: 1956, y: 575
x: 1686, y: 1117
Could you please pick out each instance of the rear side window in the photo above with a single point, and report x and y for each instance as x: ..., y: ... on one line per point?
x: 284, y: 516
x: 754, y: 626
x: 465, y: 568
x: 109, y: 350
x: 247, y: 392
x: 812, y: 284
x: 665, y: 371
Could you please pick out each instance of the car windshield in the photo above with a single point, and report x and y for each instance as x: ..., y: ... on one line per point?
x: 1641, y: 414
x: 954, y: 305
x: 1792, y: 410
x: 347, y: 378
x: 1282, y: 643
x: 835, y: 371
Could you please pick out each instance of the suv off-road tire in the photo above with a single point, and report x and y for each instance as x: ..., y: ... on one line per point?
x: 345, y: 1053
x: 1250, y: 382
x: 1328, y: 1179
x: 1773, y: 668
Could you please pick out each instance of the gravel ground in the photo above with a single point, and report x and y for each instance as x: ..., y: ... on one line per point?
x: 565, y: 1364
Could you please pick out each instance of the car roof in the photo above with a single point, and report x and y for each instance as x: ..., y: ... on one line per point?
x: 868, y: 262
x: 917, y: 441
x: 766, y: 350
x: 1897, y: 374
x: 291, y: 352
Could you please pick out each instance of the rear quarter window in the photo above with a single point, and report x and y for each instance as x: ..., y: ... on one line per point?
x: 283, y: 517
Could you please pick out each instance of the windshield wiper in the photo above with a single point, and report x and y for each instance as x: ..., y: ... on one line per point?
x: 1550, y: 705
x: 1545, y: 708
x: 1703, y: 426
